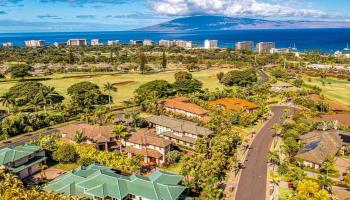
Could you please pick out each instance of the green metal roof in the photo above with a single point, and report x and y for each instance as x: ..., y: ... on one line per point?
x: 28, y: 164
x: 100, y: 181
x: 8, y: 155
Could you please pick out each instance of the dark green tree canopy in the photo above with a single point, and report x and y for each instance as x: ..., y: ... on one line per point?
x: 86, y: 94
x: 161, y: 87
x: 24, y: 92
x: 239, y: 78
x: 187, y: 86
x: 20, y: 71
x: 182, y: 75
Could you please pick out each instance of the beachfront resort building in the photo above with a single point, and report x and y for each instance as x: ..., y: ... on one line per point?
x: 77, y: 42
x: 95, y: 42
x: 60, y: 44
x: 34, y: 43
x: 100, y: 136
x: 147, y: 43
x: 182, y: 105
x: 149, y: 145
x: 235, y: 104
x: 183, y: 44
x: 245, y: 45
x: 264, y: 47
x: 166, y: 43
x: 318, y: 146
x: 181, y: 132
x: 7, y: 44
x: 24, y: 160
x: 101, y: 182
x: 210, y: 44
x: 112, y: 42
x: 136, y: 42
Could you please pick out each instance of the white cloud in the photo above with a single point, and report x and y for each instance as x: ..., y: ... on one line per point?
x: 237, y: 8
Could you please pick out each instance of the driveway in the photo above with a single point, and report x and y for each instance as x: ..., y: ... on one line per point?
x: 253, y: 180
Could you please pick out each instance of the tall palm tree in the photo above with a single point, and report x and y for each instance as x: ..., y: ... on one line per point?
x: 7, y: 101
x: 46, y: 96
x: 108, y: 87
x: 120, y: 131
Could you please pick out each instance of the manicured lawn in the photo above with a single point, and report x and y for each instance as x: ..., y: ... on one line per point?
x: 66, y: 167
x: 127, y: 82
x: 175, y: 168
x: 338, y: 89
x: 284, y: 193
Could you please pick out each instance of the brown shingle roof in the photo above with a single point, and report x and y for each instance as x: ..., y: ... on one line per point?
x: 185, y: 106
x: 234, y: 104
x: 148, y: 138
x: 179, y: 125
x: 319, y: 145
x: 145, y: 152
x: 95, y: 133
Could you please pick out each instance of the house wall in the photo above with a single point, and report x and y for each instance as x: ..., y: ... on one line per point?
x: 161, y: 150
x: 311, y: 165
x: 22, y: 161
x: 188, y: 114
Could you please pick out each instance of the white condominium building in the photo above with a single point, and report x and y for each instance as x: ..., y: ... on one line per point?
x: 34, y: 43
x: 112, y: 42
x: 77, y: 42
x: 245, y: 45
x: 7, y: 44
x: 166, y: 43
x: 210, y: 44
x: 264, y: 47
x: 95, y: 42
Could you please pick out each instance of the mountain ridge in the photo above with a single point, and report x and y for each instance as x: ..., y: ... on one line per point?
x: 218, y: 23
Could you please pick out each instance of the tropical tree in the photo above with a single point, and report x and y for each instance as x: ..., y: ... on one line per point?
x: 7, y: 100
x: 46, y: 96
x: 36, y: 102
x: 164, y: 60
x: 274, y: 157
x: 108, y: 87
x: 120, y: 132
x: 79, y: 137
x: 324, y: 182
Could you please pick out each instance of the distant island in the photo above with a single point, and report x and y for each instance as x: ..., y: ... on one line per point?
x: 215, y: 23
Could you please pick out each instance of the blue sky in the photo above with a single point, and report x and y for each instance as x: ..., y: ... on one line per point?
x: 87, y: 15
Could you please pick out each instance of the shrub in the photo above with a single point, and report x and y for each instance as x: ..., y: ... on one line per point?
x: 65, y: 153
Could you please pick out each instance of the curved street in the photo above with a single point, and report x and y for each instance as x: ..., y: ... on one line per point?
x: 253, y: 179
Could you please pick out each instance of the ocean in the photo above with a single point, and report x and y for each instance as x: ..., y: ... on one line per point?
x: 325, y: 40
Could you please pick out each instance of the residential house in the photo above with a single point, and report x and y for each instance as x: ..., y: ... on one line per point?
x: 318, y: 146
x: 181, y: 105
x: 101, y: 182
x: 149, y: 145
x: 235, y: 104
x: 283, y: 86
x: 24, y: 160
x: 181, y: 132
x: 100, y: 136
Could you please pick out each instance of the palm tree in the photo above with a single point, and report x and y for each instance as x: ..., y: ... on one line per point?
x: 324, y: 182
x: 36, y: 102
x: 120, y: 132
x: 46, y: 96
x: 108, y: 87
x: 79, y: 137
x: 134, y: 116
x: 7, y: 101
x: 273, y: 157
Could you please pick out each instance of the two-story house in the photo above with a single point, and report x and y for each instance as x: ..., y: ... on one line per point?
x: 181, y: 132
x: 24, y: 160
x: 148, y: 144
x: 100, y: 136
x: 182, y: 105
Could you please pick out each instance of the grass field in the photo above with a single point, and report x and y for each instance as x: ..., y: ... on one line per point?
x: 334, y: 89
x: 127, y: 82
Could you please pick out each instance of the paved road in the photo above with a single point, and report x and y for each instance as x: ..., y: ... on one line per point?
x: 27, y: 138
x: 252, y: 183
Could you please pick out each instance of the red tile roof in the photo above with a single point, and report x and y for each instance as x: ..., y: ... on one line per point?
x: 234, y: 104
x: 145, y: 152
x: 185, y: 106
x: 93, y: 132
x: 148, y: 138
